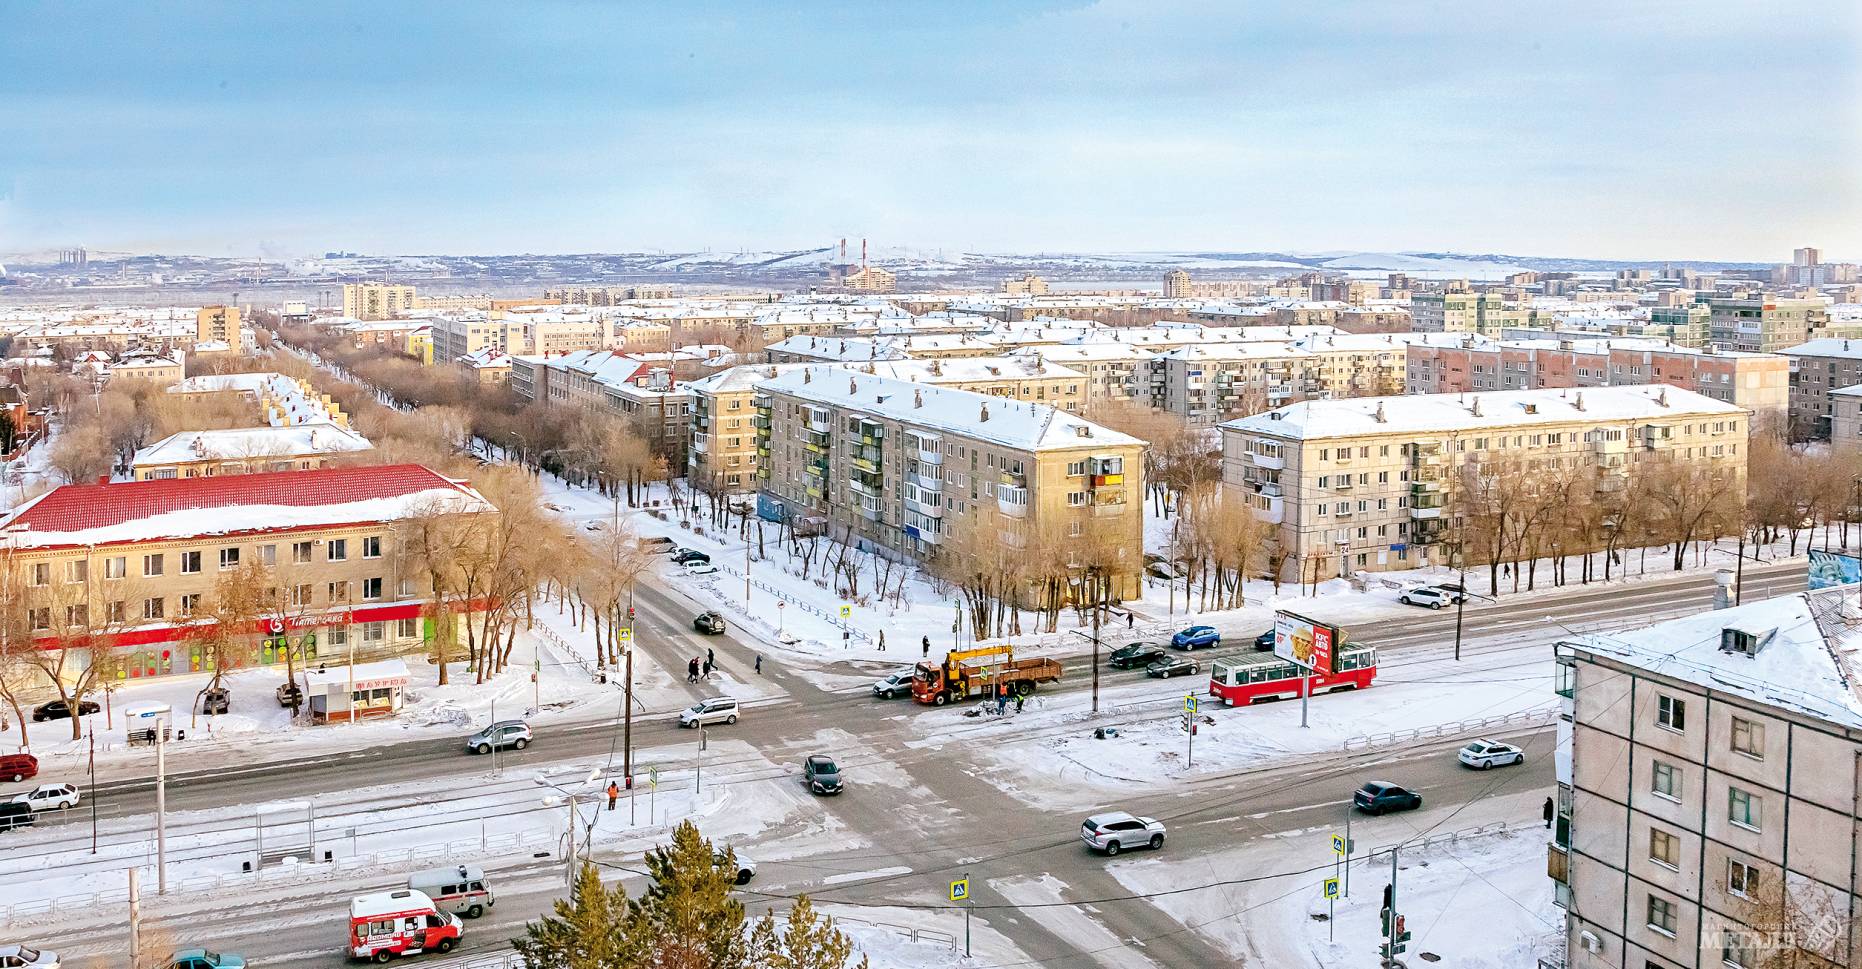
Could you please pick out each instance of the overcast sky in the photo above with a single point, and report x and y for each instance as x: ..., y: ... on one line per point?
x: 1721, y: 129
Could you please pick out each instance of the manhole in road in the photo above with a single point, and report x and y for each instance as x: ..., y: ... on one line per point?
x: 1428, y: 957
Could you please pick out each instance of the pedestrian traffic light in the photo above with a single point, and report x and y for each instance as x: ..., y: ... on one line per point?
x: 1402, y: 935
x: 1383, y: 915
x: 630, y: 613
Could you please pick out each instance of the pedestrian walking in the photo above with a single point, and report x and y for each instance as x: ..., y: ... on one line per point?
x: 1019, y: 700
x: 691, y: 671
x: 1002, y: 702
x: 614, y: 794
x: 882, y: 640
x: 927, y: 645
x: 707, y: 669
x: 759, y: 664
x: 1548, y: 812
x: 1131, y: 619
x: 711, y: 657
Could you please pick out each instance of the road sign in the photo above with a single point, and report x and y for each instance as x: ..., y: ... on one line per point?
x: 1189, y: 703
x: 960, y: 890
x: 653, y: 777
x: 1338, y: 844
x: 1331, y: 888
x: 624, y: 634
x: 846, y: 612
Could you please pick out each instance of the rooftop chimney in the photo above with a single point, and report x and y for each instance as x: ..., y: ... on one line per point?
x: 918, y: 398
x: 985, y: 416
x: 1578, y: 401
x: 1379, y: 416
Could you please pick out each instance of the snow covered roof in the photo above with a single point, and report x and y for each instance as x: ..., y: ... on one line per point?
x: 1024, y: 426
x: 134, y: 511
x: 1088, y: 352
x: 252, y: 442
x: 1826, y: 347
x: 1441, y: 413
x: 1809, y: 659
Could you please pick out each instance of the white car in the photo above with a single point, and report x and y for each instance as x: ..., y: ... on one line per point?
x: 1425, y: 596
x: 25, y: 957
x: 1115, y: 831
x: 746, y: 866
x: 700, y: 568
x: 47, y: 797
x: 897, y: 683
x: 1483, y: 754
x: 717, y: 709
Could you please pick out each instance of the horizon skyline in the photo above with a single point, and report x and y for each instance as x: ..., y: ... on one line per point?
x: 218, y: 129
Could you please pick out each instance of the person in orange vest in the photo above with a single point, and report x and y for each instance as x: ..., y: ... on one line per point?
x: 614, y: 794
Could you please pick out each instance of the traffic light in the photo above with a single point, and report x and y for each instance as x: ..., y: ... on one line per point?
x: 1383, y: 914
x: 630, y: 614
x: 1388, y: 891
x: 1402, y: 935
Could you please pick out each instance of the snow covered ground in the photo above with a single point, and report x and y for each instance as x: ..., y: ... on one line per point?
x: 1479, y: 900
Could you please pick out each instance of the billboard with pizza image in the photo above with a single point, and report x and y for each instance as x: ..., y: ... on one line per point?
x: 1307, y: 643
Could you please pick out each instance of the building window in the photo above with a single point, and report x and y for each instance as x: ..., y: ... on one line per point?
x: 1076, y: 499
x: 300, y: 553
x: 1743, y: 808
x: 78, y: 570
x: 1664, y: 849
x: 1671, y: 712
x: 371, y: 547
x: 301, y: 594
x: 339, y: 592
x: 153, y: 608
x: 374, y: 632
x: 268, y: 555
x: 404, y: 588
x: 1667, y: 781
x: 338, y: 550
x: 190, y: 563
x: 77, y: 617
x: 39, y: 618
x: 41, y: 573
x: 371, y: 588
x: 152, y: 564
x: 1741, y: 879
x: 338, y: 635
x: 1738, y: 950
x: 229, y: 558
x: 116, y: 568
x: 407, y: 628
x: 188, y: 604
x: 1662, y: 916
x: 1749, y: 738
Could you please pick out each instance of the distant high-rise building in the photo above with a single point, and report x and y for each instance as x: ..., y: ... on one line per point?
x: 1028, y: 285
x: 1806, y: 256
x: 77, y: 258
x: 1176, y: 284
x: 376, y: 301
x: 219, y: 324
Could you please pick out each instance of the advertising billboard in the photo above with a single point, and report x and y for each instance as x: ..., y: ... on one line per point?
x: 1306, y: 642
x: 1829, y: 569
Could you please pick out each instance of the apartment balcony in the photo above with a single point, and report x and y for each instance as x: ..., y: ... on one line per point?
x: 930, y: 457
x: 927, y: 510
x: 1270, y: 489
x: 762, y: 449
x: 928, y: 482
x: 760, y: 422
x: 1424, y: 489
x: 866, y: 464
x: 816, y: 469
x: 701, y: 443
x: 1014, y: 480
x: 1421, y: 514
x: 1273, y: 462
x: 1108, y: 480
x: 1108, y: 508
x: 815, y: 491
x: 1274, y: 513
x: 929, y: 536
x: 1010, y: 538
x: 1013, y: 502
x: 861, y: 487
x: 870, y: 509
x: 821, y: 424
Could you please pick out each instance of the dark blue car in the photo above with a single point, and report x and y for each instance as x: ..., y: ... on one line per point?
x: 1196, y: 637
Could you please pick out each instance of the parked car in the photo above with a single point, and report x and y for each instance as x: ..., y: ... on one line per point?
x: 26, y: 957
x: 1134, y: 654
x: 709, y: 623
x: 59, y: 710
x: 700, y: 568
x: 821, y: 774
x: 458, y: 889
x: 290, y: 694
x: 746, y: 866
x: 47, y: 797
x: 1264, y: 642
x: 14, y: 814
x: 215, y: 700
x: 1382, y: 797
x: 1196, y: 637
x: 1171, y: 666
x: 717, y: 709
x: 1425, y: 596
x: 1455, y: 589
x: 896, y: 684
x: 504, y: 733
x: 681, y: 556
x: 1162, y: 570
x: 1115, y: 831
x: 18, y: 767
x: 204, y: 959
x: 1490, y: 753
x: 657, y: 543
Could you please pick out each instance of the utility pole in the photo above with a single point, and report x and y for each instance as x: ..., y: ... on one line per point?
x: 135, y: 918
x: 967, y: 909
x: 93, y: 794
x: 698, y: 777
x: 1461, y: 597
x: 1097, y: 612
x: 161, y: 808
x: 627, y: 703
x: 1348, y: 808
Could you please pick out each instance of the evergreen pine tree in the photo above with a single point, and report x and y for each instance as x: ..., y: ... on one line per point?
x: 586, y: 931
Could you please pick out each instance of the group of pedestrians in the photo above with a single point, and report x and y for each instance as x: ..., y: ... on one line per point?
x: 697, y: 669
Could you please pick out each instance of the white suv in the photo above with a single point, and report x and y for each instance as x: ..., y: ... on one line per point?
x: 1115, y: 831
x: 717, y: 709
x: 46, y: 797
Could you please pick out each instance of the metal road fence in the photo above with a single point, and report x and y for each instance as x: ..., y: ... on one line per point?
x: 475, y: 850
x: 731, y: 603
x: 1456, y: 729
x: 1442, y: 838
